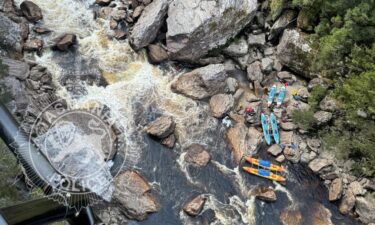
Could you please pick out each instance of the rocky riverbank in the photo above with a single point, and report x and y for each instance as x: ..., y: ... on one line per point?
x: 232, y: 52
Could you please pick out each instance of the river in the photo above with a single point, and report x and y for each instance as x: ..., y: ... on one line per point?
x: 138, y: 92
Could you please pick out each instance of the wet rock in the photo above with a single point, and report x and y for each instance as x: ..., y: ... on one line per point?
x: 236, y: 138
x: 220, y: 104
x: 231, y: 85
x: 31, y: 11
x: 33, y: 45
x: 157, y: 53
x: 237, y: 48
x: 134, y: 195
x: 148, y: 24
x: 254, y: 71
x: 347, y: 203
x: 288, y: 126
x: 365, y: 208
x: 257, y: 39
x: 169, y: 141
x: 328, y: 104
x: 291, y: 217
x: 138, y: 11
x: 314, y: 144
x: 275, y: 150
x: 265, y: 193
x: 267, y: 65
x: 281, y: 23
x: 162, y: 127
x: 189, y: 38
x: 10, y: 35
x: 321, y: 215
x: 318, y: 164
x: 335, y: 189
x: 294, y: 52
x: 65, y: 41
x: 255, y: 139
x: 16, y: 68
x: 356, y: 188
x: 322, y: 117
x: 41, y: 30
x: 201, y: 83
x: 103, y: 2
x: 197, y: 155
x: 195, y: 206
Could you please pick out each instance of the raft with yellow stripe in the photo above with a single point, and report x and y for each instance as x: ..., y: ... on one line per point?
x: 264, y: 173
x: 265, y: 164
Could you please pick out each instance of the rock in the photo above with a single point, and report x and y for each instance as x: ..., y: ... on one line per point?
x: 220, y: 105
x: 201, y: 83
x: 169, y: 141
x: 280, y: 24
x: 17, y: 69
x: 236, y: 138
x: 365, y: 208
x: 322, y: 117
x: 41, y: 30
x: 31, y: 11
x: 362, y: 113
x: 291, y: 217
x: 238, y: 94
x: 118, y: 14
x: 284, y: 75
x: 275, y: 150
x: 236, y: 117
x: 33, y: 45
x: 286, y: 137
x: 105, y: 12
x: 320, y: 215
x: 335, y: 189
x: 288, y: 126
x: 267, y: 65
x: 314, y: 144
x: 113, y: 24
x: 330, y: 175
x: 269, y: 51
x: 231, y: 85
x: 347, y: 203
x: 206, y: 60
x: 65, y: 41
x: 328, y: 104
x: 162, y: 127
x: 255, y: 139
x: 316, y: 82
x: 197, y: 155
x: 237, y: 48
x: 318, y: 164
x: 148, y: 24
x: 198, y: 26
x: 138, y: 11
x: 280, y: 159
x: 294, y: 52
x: 133, y: 193
x: 265, y: 193
x: 6, y: 6
x: 254, y: 71
x: 303, y: 93
x: 306, y: 20
x: 103, y: 2
x: 10, y: 35
x: 157, y: 53
x: 120, y: 34
x: 257, y: 39
x: 356, y: 188
x: 277, y: 65
x: 195, y: 206
x: 307, y: 157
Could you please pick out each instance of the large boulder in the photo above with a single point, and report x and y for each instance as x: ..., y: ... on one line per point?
x: 65, y: 41
x: 202, y: 83
x: 319, y: 163
x: 162, y: 127
x: 275, y: 150
x: 148, y: 24
x: 265, y: 193
x: 237, y: 139
x: 322, y: 117
x: 335, y: 189
x: 195, y: 206
x: 197, y: 155
x: 329, y: 104
x: 10, y: 35
x: 347, y: 203
x: 31, y: 11
x: 295, y: 52
x: 365, y: 208
x: 197, y: 26
x: 134, y: 195
x: 254, y: 71
x: 156, y: 53
x: 220, y: 104
x: 281, y: 23
x: 254, y: 140
x: 17, y: 69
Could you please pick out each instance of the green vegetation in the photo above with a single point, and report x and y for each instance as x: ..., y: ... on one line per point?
x: 277, y: 7
x: 345, y: 41
x: 304, y: 119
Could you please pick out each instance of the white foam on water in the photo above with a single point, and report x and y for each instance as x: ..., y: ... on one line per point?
x: 279, y: 187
